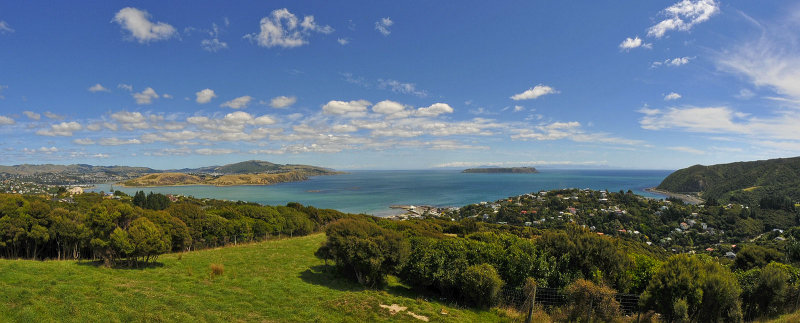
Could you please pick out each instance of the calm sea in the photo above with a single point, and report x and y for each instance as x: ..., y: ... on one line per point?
x: 372, y: 192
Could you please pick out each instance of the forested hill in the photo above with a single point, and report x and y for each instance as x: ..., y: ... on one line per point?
x: 258, y: 167
x: 740, y: 181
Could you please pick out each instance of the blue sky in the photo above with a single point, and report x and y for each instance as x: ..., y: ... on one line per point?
x: 411, y: 85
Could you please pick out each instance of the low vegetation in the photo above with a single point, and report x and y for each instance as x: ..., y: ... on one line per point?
x: 271, y: 281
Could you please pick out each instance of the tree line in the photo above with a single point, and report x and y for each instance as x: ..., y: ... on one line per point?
x: 474, y: 263
x: 133, y: 230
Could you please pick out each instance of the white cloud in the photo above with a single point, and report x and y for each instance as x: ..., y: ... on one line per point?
x: 672, y: 96
x: 282, y: 101
x: 518, y: 108
x: 534, y: 92
x: 138, y: 23
x: 5, y: 28
x: 350, y: 108
x: 631, y: 43
x: 32, y: 115
x: 213, y: 44
x: 343, y: 41
x: 745, y: 94
x: 677, y: 61
x: 773, y: 61
x: 687, y: 150
x: 98, y: 88
x: 48, y: 150
x: 146, y: 96
x: 167, y: 96
x: 388, y: 107
x: 128, y: 117
x: 2, y: 87
x: 53, y: 116
x: 383, y: 25
x: 205, y: 96
x: 570, y: 131
x: 125, y: 87
x: 283, y: 29
x: 61, y: 129
x: 6, y: 120
x: 683, y: 16
x: 84, y: 141
x: 214, y: 151
x: 238, y: 103
x: 434, y: 110
x: 113, y: 141
x: 400, y: 87
x: 100, y: 155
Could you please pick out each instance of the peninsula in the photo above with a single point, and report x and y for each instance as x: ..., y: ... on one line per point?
x: 501, y: 170
x: 253, y: 172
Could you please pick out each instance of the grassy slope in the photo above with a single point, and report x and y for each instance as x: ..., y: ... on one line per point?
x: 276, y: 281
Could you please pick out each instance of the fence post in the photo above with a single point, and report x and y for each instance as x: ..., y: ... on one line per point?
x: 533, y: 303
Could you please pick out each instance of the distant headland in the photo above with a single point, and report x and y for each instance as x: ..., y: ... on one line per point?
x: 502, y: 170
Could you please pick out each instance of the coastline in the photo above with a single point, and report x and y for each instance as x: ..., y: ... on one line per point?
x: 691, y: 199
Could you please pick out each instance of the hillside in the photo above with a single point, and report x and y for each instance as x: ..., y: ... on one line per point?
x: 273, y: 281
x: 741, y: 181
x: 253, y: 172
x: 502, y: 170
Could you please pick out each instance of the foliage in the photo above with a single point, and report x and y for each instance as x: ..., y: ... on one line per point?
x: 481, y: 285
x: 137, y: 229
x: 364, y: 250
x: 744, y: 182
x: 710, y: 292
x: 752, y: 256
x: 272, y: 281
x: 587, y: 301
x: 766, y: 291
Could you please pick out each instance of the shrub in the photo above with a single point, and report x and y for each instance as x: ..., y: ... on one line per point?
x: 710, y: 291
x: 587, y: 301
x: 481, y: 285
x: 364, y: 251
x: 765, y: 290
x: 217, y: 269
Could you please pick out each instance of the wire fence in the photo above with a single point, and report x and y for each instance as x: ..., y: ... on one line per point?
x: 552, y: 297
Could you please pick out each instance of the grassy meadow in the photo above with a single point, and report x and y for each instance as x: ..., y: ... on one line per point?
x: 273, y: 281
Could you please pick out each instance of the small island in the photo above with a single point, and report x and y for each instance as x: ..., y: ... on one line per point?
x: 502, y: 170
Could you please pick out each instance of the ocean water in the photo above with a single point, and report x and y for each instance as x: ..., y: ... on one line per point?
x: 372, y: 192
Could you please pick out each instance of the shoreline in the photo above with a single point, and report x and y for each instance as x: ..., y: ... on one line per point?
x: 683, y: 197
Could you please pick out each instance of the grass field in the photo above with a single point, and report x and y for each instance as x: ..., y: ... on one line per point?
x: 273, y: 281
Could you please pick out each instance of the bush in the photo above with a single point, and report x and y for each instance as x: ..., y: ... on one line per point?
x: 364, y: 251
x: 217, y: 269
x: 765, y: 290
x: 481, y: 285
x: 710, y: 291
x: 587, y: 301
x: 756, y: 256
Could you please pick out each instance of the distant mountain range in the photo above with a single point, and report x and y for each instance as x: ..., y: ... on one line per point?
x: 741, y: 181
x: 82, y: 173
x: 501, y: 170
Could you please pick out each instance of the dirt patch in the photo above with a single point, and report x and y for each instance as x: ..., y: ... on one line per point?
x: 394, y: 308
x: 419, y: 317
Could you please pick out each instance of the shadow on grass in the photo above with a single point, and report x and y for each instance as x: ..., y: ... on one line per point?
x: 122, y: 265
x: 328, y: 276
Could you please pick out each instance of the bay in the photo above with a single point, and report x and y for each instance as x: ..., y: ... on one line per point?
x: 372, y: 192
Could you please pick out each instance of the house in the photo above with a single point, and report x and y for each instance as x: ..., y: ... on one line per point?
x: 684, y: 225
x: 730, y: 254
x: 75, y: 190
